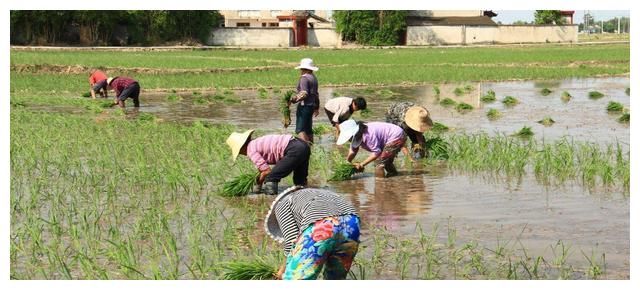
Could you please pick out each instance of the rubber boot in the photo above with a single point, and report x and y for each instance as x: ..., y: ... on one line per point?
x: 271, y: 188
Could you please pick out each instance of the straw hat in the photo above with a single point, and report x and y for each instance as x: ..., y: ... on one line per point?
x: 417, y: 118
x: 236, y: 140
x: 109, y: 80
x: 348, y: 129
x: 271, y: 225
x: 307, y: 63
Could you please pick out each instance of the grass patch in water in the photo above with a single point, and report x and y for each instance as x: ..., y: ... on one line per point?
x: 173, y: 97
x: 594, y: 95
x: 240, y: 185
x: 545, y: 91
x: 525, y: 132
x: 510, y: 101
x: 614, y: 107
x: 262, y: 93
x: 463, y: 108
x: 489, y: 97
x: 436, y: 91
x: 625, y: 118
x: 343, y: 171
x: 547, y: 121
x: 439, y: 128
x: 493, y: 114
x: 458, y: 91
x: 144, y: 116
x: 446, y: 102
x: 321, y: 129
x: 565, y: 97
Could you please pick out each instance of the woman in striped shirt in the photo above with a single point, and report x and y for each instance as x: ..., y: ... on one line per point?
x: 319, y: 228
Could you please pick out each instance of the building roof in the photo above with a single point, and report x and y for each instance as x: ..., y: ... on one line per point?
x: 298, y: 14
x: 453, y: 20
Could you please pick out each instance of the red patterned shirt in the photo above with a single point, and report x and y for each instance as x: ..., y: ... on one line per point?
x: 120, y: 83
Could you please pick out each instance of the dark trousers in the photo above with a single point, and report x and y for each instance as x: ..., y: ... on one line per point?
x: 133, y: 92
x: 296, y: 159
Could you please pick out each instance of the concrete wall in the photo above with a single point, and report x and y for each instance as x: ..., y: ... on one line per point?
x: 502, y: 34
x: 445, y: 13
x: 251, y: 37
x: 323, y: 37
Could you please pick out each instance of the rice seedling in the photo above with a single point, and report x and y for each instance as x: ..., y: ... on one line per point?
x: 627, y: 91
x: 86, y: 95
x: 463, y: 107
x: 545, y: 91
x: 250, y: 270
x: 565, y: 97
x: 489, y: 97
x: 510, y: 101
x: 240, y: 185
x: 525, y: 132
x: 614, y: 107
x: 200, y: 100
x: 625, y: 118
x: 262, y: 93
x: 594, y: 95
x: 144, y: 116
x: 366, y: 113
x: 547, y: 121
x: 468, y: 88
x: 439, y: 128
x: 321, y: 129
x: 437, y: 148
x: 173, y: 97
x: 493, y: 114
x: 458, y: 91
x: 447, y: 102
x: 436, y: 91
x: 343, y: 171
x: 285, y: 101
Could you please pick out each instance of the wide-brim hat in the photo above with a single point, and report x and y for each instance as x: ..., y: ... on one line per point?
x: 271, y: 225
x: 109, y: 80
x: 418, y: 118
x: 236, y: 141
x: 307, y: 63
x: 348, y: 129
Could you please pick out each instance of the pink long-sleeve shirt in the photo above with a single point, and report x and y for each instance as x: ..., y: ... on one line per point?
x: 377, y: 135
x: 267, y: 149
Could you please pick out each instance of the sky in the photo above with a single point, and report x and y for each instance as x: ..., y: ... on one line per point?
x: 509, y: 16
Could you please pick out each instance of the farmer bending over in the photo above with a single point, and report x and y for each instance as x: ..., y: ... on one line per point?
x: 339, y: 109
x: 288, y: 153
x: 307, y: 98
x: 383, y: 140
x: 125, y: 88
x: 319, y: 228
x: 414, y: 120
x: 98, y: 83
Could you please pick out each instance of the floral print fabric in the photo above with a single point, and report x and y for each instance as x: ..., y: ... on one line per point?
x: 331, y: 243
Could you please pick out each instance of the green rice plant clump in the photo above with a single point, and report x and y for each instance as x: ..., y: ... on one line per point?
x: 545, y: 91
x: 284, y: 108
x: 625, y: 118
x: 262, y: 93
x: 447, y: 102
x: 143, y: 116
x: 200, y: 100
x: 321, y: 129
x: 253, y: 270
x: 547, y: 121
x: 458, y: 91
x: 510, y: 101
x: 489, y: 97
x: 173, y: 97
x: 86, y: 95
x: 343, y: 171
x: 594, y: 95
x: 366, y: 113
x: 437, y: 148
x: 241, y: 185
x: 614, y: 107
x: 493, y: 114
x: 439, y: 128
x: 436, y: 90
x: 463, y: 107
x: 525, y: 132
x: 565, y: 97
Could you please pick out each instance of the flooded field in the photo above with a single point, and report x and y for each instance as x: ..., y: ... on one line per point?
x: 489, y: 209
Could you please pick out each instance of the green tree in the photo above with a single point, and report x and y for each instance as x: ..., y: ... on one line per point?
x: 371, y: 27
x: 548, y: 17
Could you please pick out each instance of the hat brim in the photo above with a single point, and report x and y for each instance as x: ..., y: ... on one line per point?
x: 235, y: 149
x: 346, y: 134
x: 416, y: 123
x: 313, y: 68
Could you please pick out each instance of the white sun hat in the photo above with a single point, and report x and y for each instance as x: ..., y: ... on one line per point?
x: 236, y: 140
x: 348, y: 129
x: 109, y: 80
x: 307, y: 63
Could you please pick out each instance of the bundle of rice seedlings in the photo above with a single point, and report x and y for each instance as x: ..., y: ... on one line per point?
x: 468, y: 88
x: 365, y: 113
x: 437, y: 148
x: 343, y: 171
x: 614, y: 107
x: 545, y: 92
x: 565, y: 96
x: 241, y: 185
x: 86, y: 95
x: 447, y: 102
x: 493, y: 114
x: 262, y: 93
x: 489, y: 97
x: 284, y: 108
x: 173, y: 97
x: 200, y: 100
x: 249, y: 270
x: 94, y: 108
x: 321, y: 129
x: 463, y: 107
x: 594, y: 95
x: 525, y: 132
x: 547, y: 121
x: 625, y: 118
x: 439, y: 127
x: 107, y: 104
x: 458, y: 92
x: 436, y: 91
x: 510, y: 101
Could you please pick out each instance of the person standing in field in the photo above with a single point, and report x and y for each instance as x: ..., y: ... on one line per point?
x: 125, y: 88
x: 98, y: 83
x: 383, y: 140
x: 339, y: 109
x: 307, y: 98
x: 414, y: 120
x: 286, y: 152
x: 318, y: 229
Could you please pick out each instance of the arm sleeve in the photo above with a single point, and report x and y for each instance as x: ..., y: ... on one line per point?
x: 338, y: 113
x: 257, y: 159
x: 287, y: 223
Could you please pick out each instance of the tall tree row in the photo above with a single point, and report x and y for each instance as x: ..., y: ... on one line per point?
x: 371, y: 27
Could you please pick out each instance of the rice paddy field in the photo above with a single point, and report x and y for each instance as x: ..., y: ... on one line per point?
x: 98, y: 192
